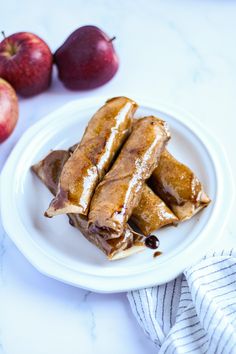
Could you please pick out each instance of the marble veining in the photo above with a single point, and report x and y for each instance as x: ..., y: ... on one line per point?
x: 91, y: 316
x: 201, y: 70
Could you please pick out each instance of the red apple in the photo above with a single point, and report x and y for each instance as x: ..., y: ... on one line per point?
x: 8, y: 109
x: 26, y: 63
x: 87, y: 59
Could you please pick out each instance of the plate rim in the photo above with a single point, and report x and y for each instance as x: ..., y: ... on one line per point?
x: 47, y: 266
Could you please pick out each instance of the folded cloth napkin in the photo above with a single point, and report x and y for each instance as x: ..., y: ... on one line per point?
x: 196, y: 312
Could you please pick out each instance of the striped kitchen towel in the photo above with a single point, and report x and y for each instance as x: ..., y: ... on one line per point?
x: 196, y: 312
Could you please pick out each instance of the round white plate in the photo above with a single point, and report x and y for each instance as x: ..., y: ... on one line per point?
x: 60, y: 251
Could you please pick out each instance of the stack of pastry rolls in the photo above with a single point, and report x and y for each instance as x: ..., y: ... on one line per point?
x: 120, y: 184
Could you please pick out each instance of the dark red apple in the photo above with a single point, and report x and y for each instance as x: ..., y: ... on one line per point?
x: 87, y: 59
x: 26, y: 63
x: 8, y: 110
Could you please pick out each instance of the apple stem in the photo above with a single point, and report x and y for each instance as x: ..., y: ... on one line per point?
x: 3, y: 34
x: 112, y: 39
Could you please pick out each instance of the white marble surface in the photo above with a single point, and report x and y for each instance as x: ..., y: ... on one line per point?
x: 179, y: 52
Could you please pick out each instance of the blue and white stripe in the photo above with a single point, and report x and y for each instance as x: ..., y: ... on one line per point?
x: 195, y: 313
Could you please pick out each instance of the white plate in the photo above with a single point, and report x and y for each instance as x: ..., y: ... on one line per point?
x: 60, y: 251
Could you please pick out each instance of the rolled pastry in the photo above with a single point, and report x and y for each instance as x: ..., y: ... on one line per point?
x: 151, y: 213
x: 178, y: 187
x: 103, y: 137
x: 120, y: 190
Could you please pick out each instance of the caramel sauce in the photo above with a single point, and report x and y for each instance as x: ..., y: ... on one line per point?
x: 157, y: 253
x: 152, y: 242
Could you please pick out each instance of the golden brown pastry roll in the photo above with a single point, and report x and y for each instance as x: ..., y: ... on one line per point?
x: 103, y: 137
x: 178, y: 187
x: 49, y: 168
x: 120, y: 190
x: 130, y: 242
x: 151, y: 213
